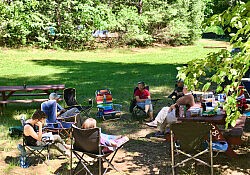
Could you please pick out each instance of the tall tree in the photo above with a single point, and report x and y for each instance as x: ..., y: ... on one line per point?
x: 215, y: 69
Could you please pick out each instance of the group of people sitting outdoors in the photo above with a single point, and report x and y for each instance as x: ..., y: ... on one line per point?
x: 33, y: 133
x: 62, y: 112
x: 33, y: 128
x: 167, y: 115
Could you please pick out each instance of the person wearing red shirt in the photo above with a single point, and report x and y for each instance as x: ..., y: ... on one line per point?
x: 143, y: 100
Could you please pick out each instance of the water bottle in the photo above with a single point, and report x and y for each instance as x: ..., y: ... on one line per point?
x: 184, y: 111
x: 104, y: 98
x: 90, y: 101
x: 201, y: 110
x: 23, y: 120
x: 23, y: 163
x: 181, y: 111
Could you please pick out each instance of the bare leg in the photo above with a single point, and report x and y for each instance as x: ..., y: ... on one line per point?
x: 147, y: 108
x: 151, y: 115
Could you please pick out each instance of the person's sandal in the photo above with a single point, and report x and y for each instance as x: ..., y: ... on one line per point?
x: 159, y: 134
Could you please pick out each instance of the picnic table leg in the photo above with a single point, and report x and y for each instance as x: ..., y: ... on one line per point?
x: 2, y: 105
x: 217, y: 135
x: 1, y: 109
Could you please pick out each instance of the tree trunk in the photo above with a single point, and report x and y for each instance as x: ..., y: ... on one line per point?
x: 139, y: 7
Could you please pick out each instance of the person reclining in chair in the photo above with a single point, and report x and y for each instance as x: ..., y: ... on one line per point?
x: 33, y: 137
x: 168, y: 115
x: 111, y: 141
x: 143, y: 100
x: 177, y: 93
x: 61, y: 112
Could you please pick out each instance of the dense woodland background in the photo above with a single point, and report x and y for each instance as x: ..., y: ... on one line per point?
x: 69, y: 24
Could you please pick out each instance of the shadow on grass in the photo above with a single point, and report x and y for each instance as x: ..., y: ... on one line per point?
x: 87, y: 77
x: 152, y: 153
x: 146, y: 154
x: 32, y: 160
x: 140, y: 155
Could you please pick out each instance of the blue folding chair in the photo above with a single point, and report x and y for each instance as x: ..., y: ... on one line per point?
x: 52, y: 123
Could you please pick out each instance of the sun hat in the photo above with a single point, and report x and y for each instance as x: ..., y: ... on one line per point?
x: 54, y: 96
x: 141, y: 82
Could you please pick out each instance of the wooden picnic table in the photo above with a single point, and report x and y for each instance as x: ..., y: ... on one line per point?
x: 6, y: 92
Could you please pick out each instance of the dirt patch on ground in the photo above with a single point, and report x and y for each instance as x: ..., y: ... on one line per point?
x: 144, y: 154
x: 210, y: 42
x: 141, y: 155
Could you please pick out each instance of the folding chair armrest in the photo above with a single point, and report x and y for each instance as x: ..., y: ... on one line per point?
x: 55, y: 123
x: 67, y: 122
x: 69, y: 107
x: 62, y: 118
x: 68, y: 117
x: 58, y: 123
x: 90, y: 103
x: 47, y: 144
x: 73, y: 106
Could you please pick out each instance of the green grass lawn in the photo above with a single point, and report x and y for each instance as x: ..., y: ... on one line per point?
x: 116, y: 69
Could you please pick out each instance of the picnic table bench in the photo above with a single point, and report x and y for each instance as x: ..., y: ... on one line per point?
x: 234, y: 134
x: 34, y: 91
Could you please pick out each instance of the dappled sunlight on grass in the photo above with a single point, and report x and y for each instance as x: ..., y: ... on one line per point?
x: 116, y: 69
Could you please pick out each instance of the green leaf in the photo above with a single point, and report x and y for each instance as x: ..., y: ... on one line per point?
x: 206, y: 86
x: 233, y: 123
x: 219, y: 89
x: 233, y: 71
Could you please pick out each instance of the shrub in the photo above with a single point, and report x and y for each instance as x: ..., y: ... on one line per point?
x: 69, y: 24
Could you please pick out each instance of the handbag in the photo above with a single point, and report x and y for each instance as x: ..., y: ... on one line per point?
x: 16, y: 131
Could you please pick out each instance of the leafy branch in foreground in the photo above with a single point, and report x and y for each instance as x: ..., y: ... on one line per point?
x: 222, y: 71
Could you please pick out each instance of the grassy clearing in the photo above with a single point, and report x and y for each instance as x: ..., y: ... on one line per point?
x: 116, y: 69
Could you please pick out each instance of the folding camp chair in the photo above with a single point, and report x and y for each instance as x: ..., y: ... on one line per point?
x: 37, y: 152
x: 31, y: 153
x: 69, y: 96
x: 177, y: 93
x: 188, y: 139
x: 137, y: 110
x: 53, y: 124
x: 87, y: 142
x: 105, y: 104
x: 241, y: 100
